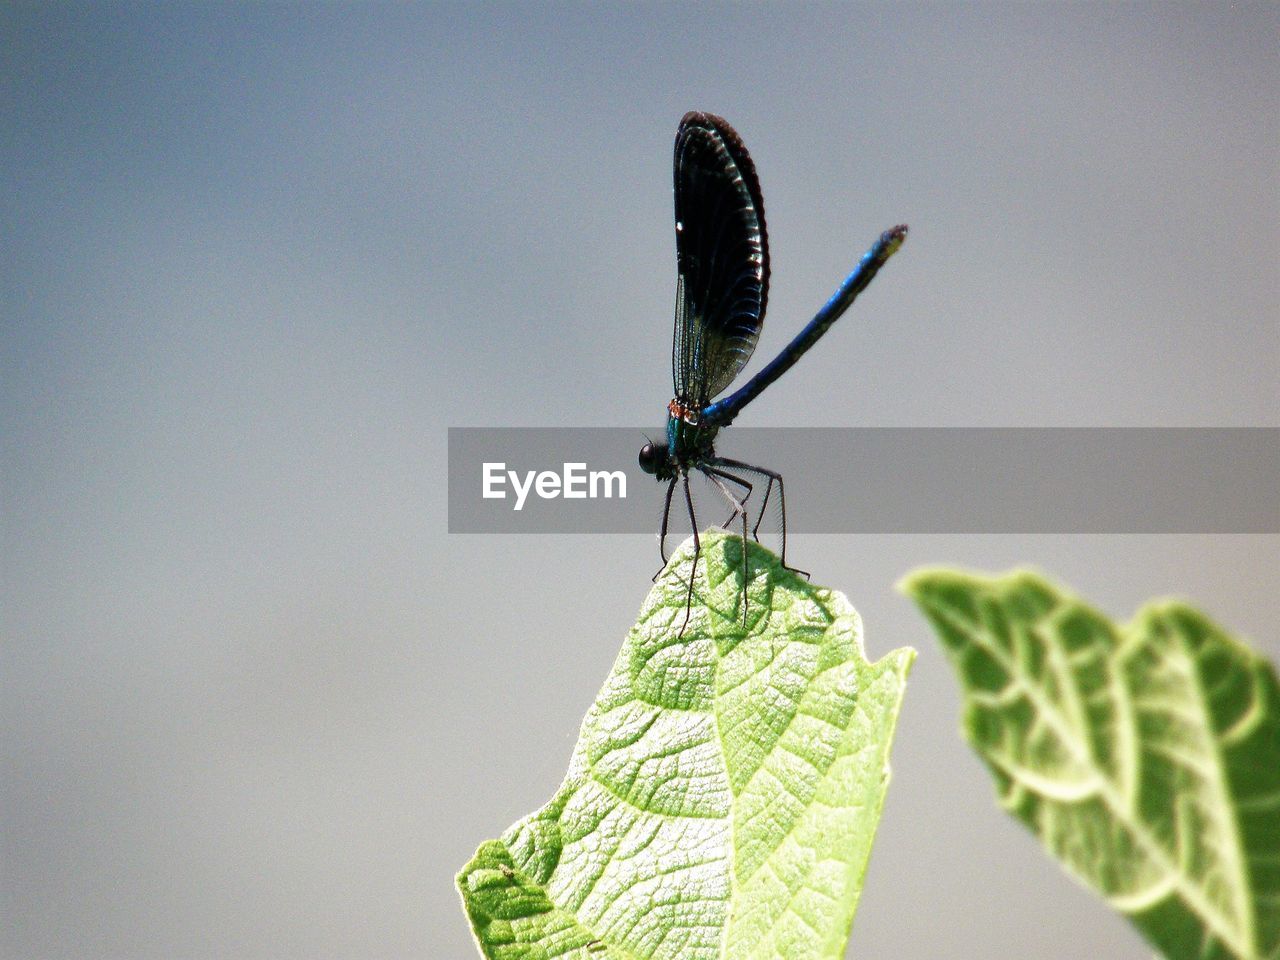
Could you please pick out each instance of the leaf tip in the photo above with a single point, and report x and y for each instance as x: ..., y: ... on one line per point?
x: 917, y: 581
x: 899, y: 660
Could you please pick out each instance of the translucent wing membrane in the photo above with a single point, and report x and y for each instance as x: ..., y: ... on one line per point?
x: 722, y: 258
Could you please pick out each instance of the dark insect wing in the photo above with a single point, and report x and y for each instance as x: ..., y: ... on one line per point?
x: 722, y: 258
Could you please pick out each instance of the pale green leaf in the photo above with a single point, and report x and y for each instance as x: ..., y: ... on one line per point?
x: 1146, y: 756
x: 725, y: 789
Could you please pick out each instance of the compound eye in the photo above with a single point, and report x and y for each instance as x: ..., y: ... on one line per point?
x: 651, y: 458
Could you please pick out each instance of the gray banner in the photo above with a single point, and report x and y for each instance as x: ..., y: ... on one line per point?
x: 882, y: 480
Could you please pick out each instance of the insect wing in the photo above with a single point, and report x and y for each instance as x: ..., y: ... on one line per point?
x: 722, y: 258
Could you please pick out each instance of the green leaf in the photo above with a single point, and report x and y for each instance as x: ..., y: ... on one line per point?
x: 1146, y: 756
x: 725, y: 789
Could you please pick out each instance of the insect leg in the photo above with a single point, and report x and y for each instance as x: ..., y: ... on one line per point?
x: 773, y: 476
x: 662, y: 536
x: 697, y: 552
x: 764, y: 504
x: 740, y: 509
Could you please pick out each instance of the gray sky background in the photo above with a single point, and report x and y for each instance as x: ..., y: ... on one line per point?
x: 255, y: 702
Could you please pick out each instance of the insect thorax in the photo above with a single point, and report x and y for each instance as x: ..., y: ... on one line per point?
x: 689, y: 439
